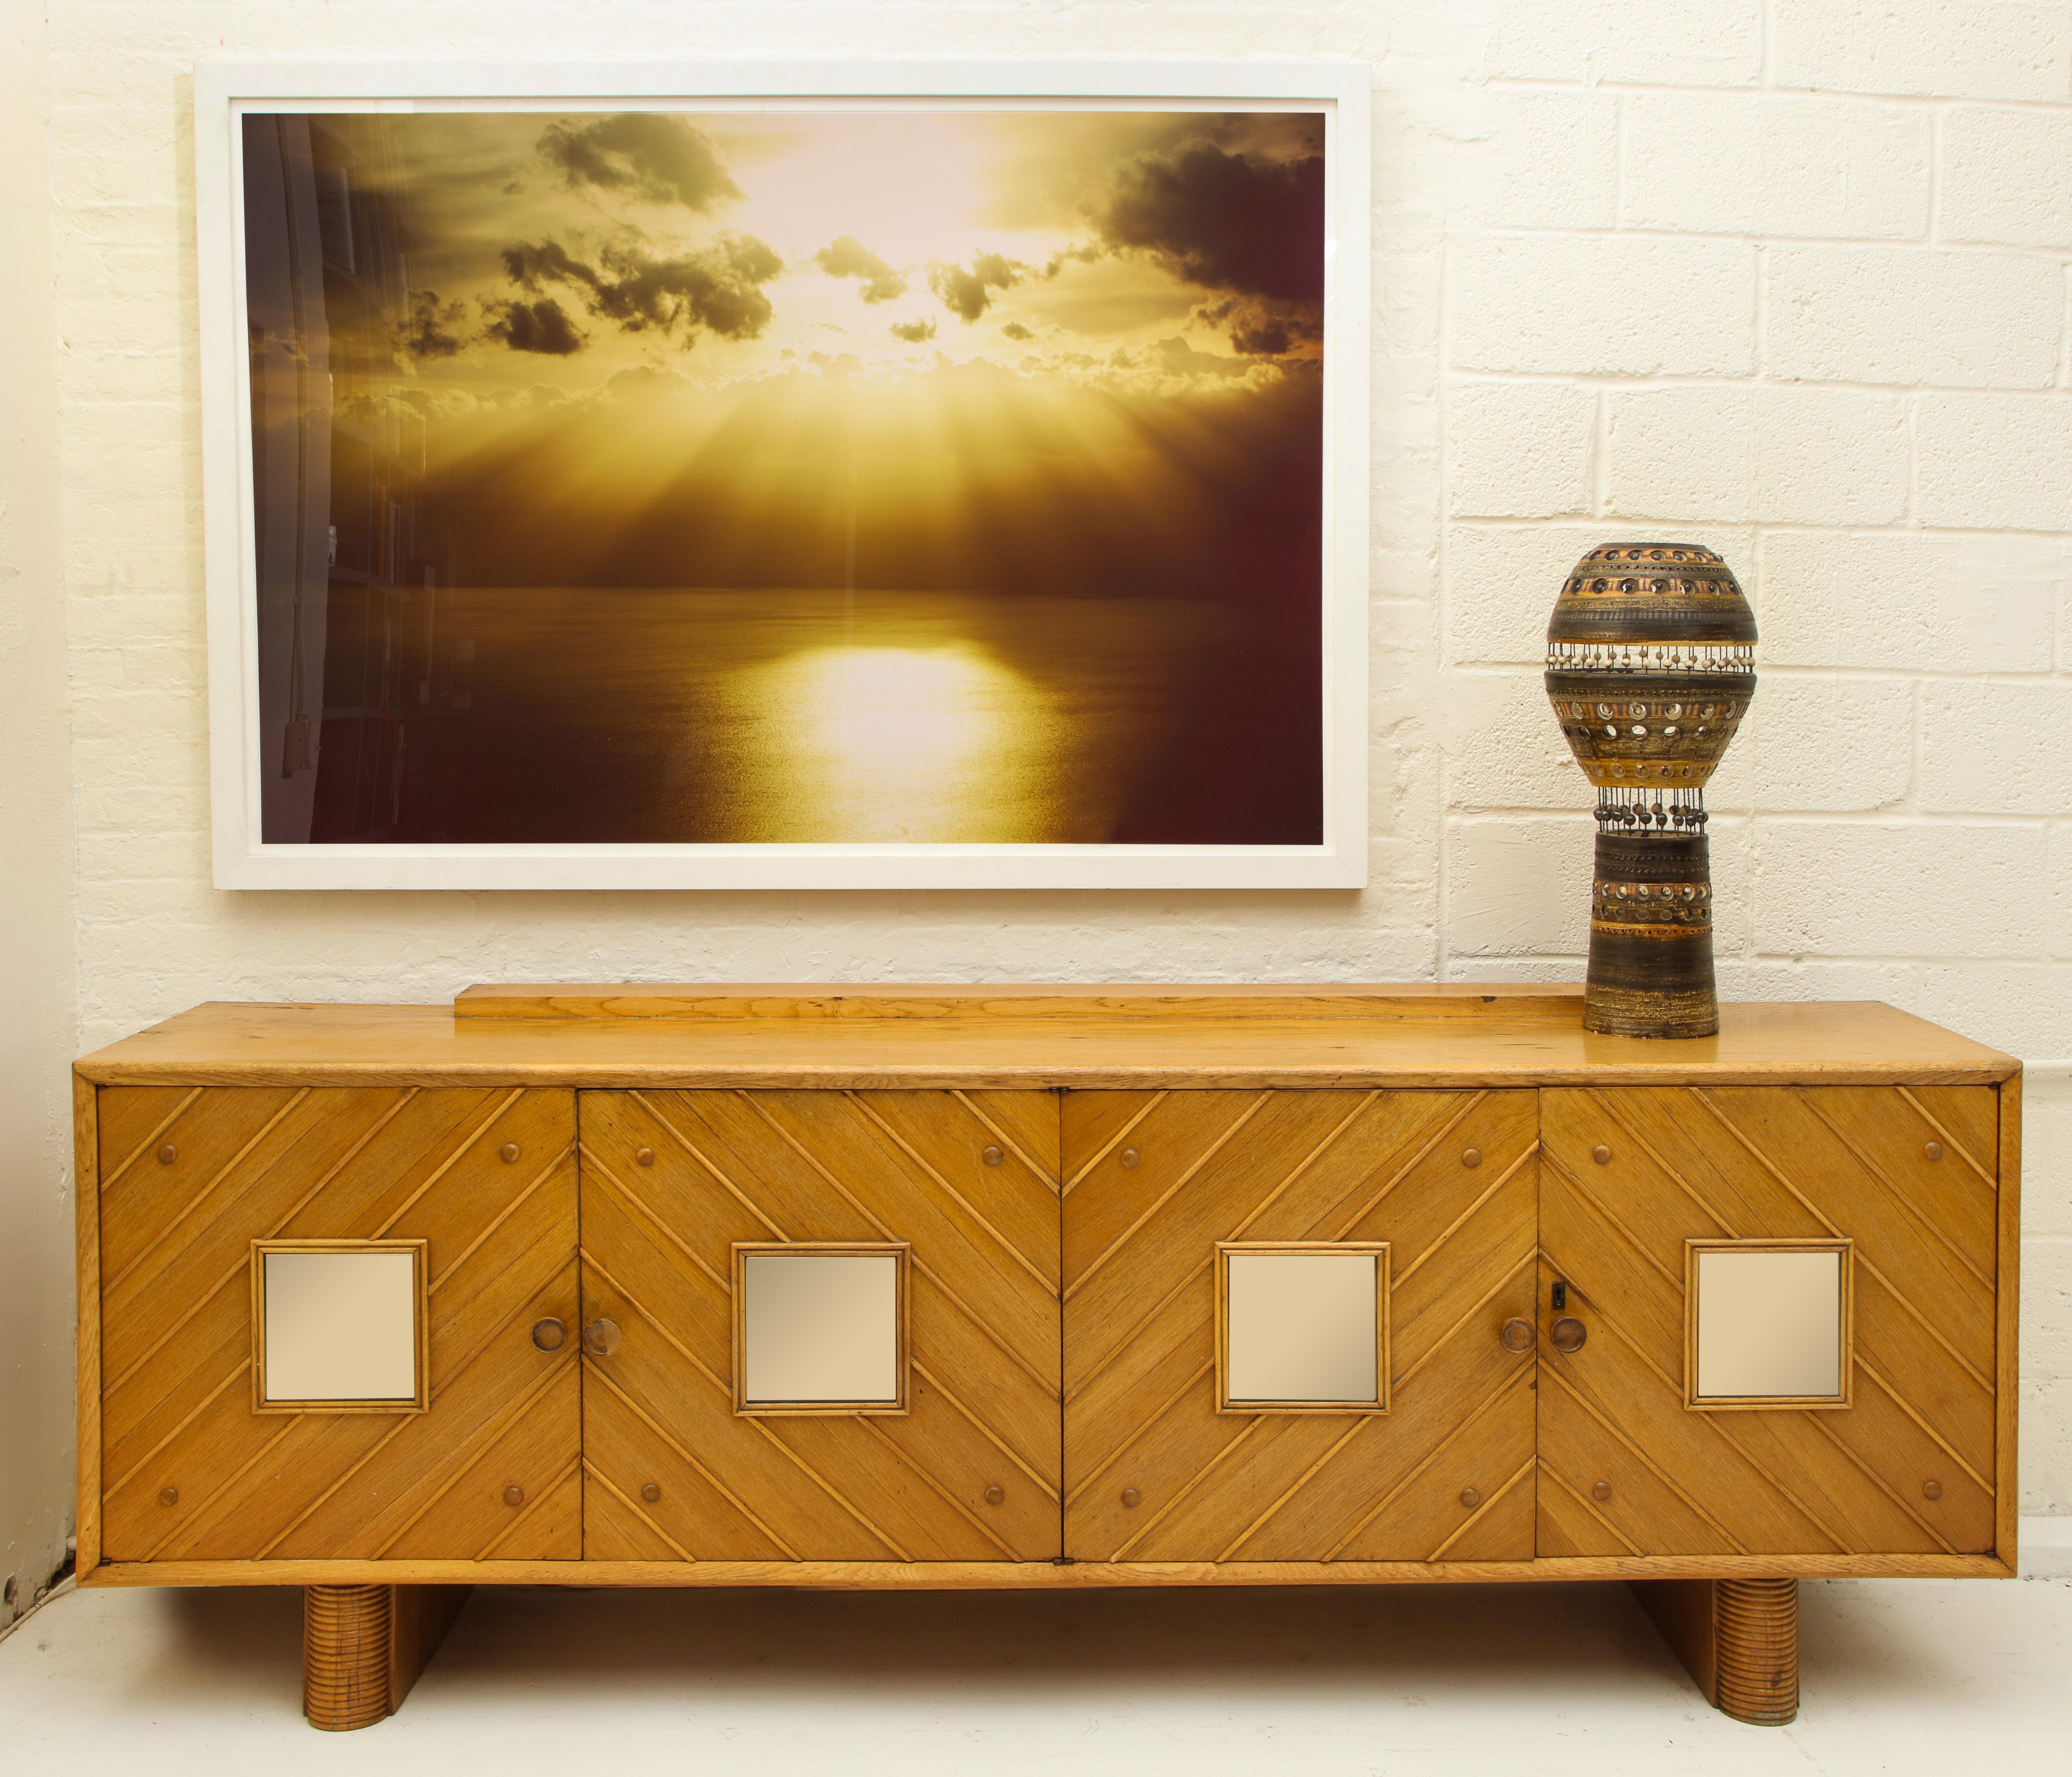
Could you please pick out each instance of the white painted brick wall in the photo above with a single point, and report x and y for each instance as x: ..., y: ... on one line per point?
x: 2002, y: 176
x: 1792, y: 166
x: 1565, y: 302
x: 1897, y: 315
x: 1994, y: 462
x: 1897, y: 600
x: 1979, y: 48
x: 1785, y: 277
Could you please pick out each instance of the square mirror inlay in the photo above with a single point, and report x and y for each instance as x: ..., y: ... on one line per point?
x: 1769, y: 1323
x: 821, y: 1326
x: 1304, y: 1326
x: 339, y: 1324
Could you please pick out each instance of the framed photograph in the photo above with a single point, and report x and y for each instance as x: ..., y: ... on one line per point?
x: 889, y: 476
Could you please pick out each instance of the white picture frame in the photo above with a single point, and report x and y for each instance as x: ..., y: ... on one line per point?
x: 240, y: 859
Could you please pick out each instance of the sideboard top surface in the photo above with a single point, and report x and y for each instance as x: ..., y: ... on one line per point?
x: 1085, y: 1038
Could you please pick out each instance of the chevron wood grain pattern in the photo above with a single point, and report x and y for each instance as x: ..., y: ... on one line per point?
x: 674, y: 1474
x: 1909, y: 1467
x: 1154, y: 1180
x: 190, y: 1178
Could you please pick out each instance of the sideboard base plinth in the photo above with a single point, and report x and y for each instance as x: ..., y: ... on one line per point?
x: 1738, y: 1639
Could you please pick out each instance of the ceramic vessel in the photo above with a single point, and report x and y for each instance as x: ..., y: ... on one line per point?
x: 1651, y: 664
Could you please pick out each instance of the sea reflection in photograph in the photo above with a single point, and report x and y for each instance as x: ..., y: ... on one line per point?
x: 611, y: 714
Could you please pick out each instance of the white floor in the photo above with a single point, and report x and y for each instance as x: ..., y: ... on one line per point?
x: 1903, y: 1675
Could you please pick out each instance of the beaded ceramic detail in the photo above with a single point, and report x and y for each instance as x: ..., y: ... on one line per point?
x: 1639, y: 810
x: 1674, y: 714
x: 1687, y: 657
x: 1658, y: 898
x: 1611, y: 553
x: 1651, y: 664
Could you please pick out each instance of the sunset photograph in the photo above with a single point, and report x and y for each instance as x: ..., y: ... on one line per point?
x: 796, y: 475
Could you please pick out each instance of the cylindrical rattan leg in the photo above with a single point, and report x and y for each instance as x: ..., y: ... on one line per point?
x: 1756, y: 1623
x: 346, y: 1632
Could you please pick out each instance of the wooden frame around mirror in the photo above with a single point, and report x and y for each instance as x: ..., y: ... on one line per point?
x: 419, y: 1251
x: 1378, y: 1250
x: 898, y: 1250
x: 1845, y: 1333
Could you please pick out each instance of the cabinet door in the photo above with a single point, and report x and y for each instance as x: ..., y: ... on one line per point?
x: 1852, y: 1409
x: 722, y: 1421
x: 474, y: 1190
x: 1164, y: 1191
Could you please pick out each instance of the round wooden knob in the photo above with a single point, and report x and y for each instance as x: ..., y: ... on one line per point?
x: 1130, y: 1498
x: 508, y: 1153
x: 1471, y: 1497
x: 991, y: 1155
x: 1129, y: 1157
x: 1471, y: 1158
x: 549, y: 1334
x: 1933, y: 1150
x: 168, y: 1154
x: 1517, y: 1334
x: 1601, y: 1490
x: 995, y: 1494
x: 650, y: 1492
x: 1931, y: 1490
x: 1601, y: 1155
x: 514, y: 1495
x: 169, y: 1495
x: 601, y: 1338
x: 643, y: 1156
x: 1568, y: 1334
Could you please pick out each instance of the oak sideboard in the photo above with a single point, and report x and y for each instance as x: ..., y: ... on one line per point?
x: 1041, y: 1286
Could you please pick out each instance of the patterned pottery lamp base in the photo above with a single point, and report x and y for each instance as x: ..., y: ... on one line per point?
x: 1651, y: 664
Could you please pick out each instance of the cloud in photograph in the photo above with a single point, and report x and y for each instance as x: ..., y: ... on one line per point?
x: 1261, y: 329
x: 846, y: 257
x: 541, y: 326
x: 432, y: 329
x: 713, y: 290
x: 914, y: 332
x: 968, y: 294
x: 646, y: 154
x: 1222, y: 221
